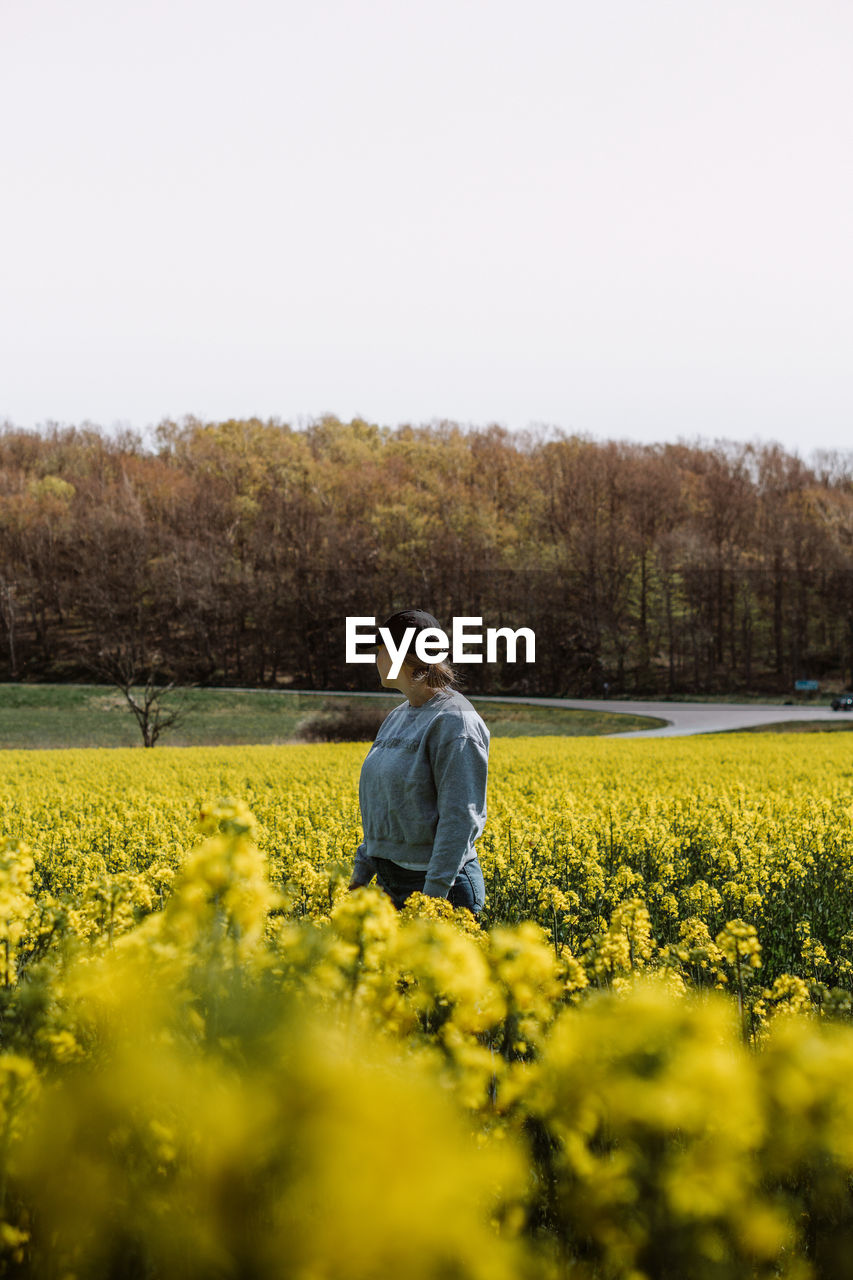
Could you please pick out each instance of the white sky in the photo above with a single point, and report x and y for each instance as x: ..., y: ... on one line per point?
x: 628, y: 218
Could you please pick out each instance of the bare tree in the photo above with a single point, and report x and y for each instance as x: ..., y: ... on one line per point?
x: 7, y: 613
x: 126, y: 668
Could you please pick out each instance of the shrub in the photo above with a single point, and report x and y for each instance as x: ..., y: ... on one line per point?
x: 347, y: 722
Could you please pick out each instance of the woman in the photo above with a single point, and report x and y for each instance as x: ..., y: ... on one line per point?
x: 422, y: 789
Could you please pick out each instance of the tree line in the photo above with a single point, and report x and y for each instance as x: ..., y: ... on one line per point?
x: 232, y: 552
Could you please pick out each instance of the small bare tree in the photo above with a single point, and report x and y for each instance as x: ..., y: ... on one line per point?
x: 125, y: 666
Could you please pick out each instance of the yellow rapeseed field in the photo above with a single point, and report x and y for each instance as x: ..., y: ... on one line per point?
x: 217, y: 1062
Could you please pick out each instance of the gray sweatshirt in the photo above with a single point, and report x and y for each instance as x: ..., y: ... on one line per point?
x: 422, y: 790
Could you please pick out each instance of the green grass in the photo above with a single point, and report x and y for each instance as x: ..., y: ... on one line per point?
x: 515, y: 720
x: 43, y: 716
x: 790, y: 699
x: 802, y: 726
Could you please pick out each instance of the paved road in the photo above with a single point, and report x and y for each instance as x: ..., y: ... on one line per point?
x: 682, y: 717
x: 693, y: 717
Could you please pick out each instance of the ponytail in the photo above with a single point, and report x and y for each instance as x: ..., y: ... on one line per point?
x: 435, y: 675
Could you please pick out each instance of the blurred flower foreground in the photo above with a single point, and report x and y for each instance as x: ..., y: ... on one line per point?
x: 194, y: 1083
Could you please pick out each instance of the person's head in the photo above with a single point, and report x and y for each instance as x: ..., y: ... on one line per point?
x: 421, y: 678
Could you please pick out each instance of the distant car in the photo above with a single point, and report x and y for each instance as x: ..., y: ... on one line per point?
x: 844, y: 702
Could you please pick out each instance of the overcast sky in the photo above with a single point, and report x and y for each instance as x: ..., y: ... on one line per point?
x: 626, y: 218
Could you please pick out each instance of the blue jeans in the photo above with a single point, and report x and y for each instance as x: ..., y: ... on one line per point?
x: 468, y: 889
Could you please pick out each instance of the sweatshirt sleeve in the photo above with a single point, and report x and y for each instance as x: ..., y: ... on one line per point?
x: 364, y: 868
x: 460, y: 768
